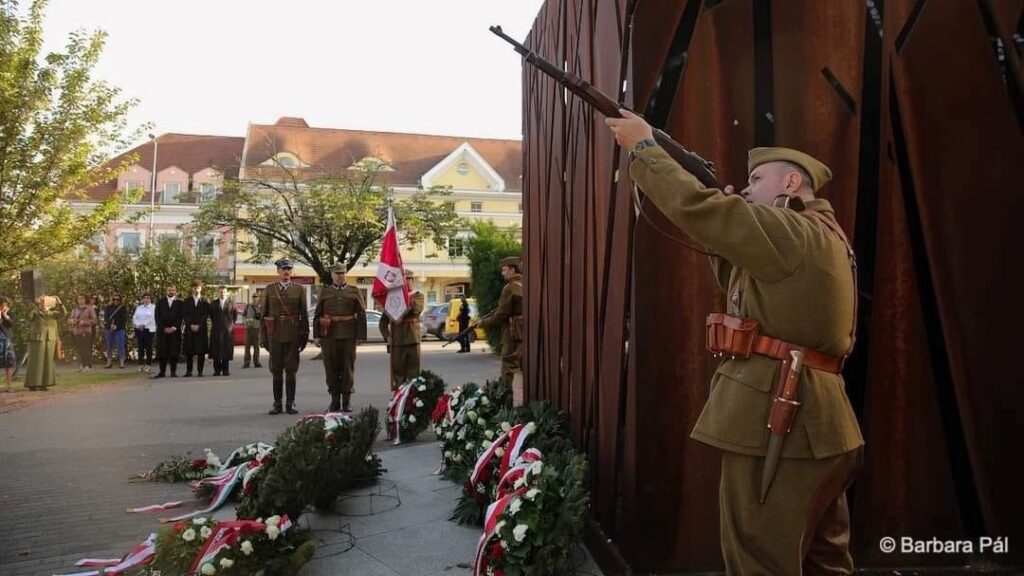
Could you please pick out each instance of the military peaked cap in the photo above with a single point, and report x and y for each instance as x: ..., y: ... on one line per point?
x: 819, y: 173
x: 512, y: 261
x: 338, y: 267
x: 284, y: 263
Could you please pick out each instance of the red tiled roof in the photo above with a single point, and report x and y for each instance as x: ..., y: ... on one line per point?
x: 189, y: 152
x: 331, y: 151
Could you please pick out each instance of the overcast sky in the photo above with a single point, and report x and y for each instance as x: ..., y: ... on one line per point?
x: 212, y: 66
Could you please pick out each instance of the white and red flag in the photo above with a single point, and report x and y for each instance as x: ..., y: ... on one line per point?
x: 389, y: 287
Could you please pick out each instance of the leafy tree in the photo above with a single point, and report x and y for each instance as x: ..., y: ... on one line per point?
x: 58, y: 127
x: 486, y: 248
x: 319, y: 221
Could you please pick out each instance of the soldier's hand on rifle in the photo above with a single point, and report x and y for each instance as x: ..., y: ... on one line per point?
x: 629, y: 129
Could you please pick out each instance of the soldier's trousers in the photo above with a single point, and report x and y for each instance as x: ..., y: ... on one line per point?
x: 252, y: 344
x: 339, y: 364
x: 803, y: 527
x: 511, y: 359
x: 284, y: 362
x: 405, y: 363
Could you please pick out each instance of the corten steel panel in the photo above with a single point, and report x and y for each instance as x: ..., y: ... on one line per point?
x: 903, y: 436
x: 964, y: 152
x: 811, y: 40
x: 677, y: 512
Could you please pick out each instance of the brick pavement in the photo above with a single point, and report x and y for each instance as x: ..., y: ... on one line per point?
x: 64, y: 463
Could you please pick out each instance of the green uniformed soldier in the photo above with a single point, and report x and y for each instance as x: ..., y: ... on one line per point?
x: 338, y: 323
x: 784, y: 263
x: 44, y: 332
x: 285, y: 332
x: 403, y: 338
x: 509, y: 316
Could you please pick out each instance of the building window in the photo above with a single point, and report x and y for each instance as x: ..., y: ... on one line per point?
x: 431, y: 297
x: 462, y: 169
x: 207, y: 191
x: 130, y: 242
x: 132, y: 186
x: 457, y: 247
x: 172, y: 190
x: 206, y: 246
x: 168, y: 241
x: 476, y: 207
x: 286, y: 161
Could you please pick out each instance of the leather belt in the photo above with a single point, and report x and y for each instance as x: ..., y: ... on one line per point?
x: 341, y: 318
x: 410, y: 320
x: 739, y: 338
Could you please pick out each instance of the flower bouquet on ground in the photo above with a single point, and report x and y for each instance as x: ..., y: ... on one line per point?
x: 187, y: 469
x: 537, y: 427
x: 537, y: 520
x: 475, y: 422
x: 411, y: 406
x: 311, y: 464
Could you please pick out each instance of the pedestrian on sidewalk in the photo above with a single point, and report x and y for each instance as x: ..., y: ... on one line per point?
x: 144, y: 321
x: 463, y: 325
x: 197, y: 335
x: 115, y: 319
x: 222, y: 331
x: 252, y: 317
x: 7, y: 357
x: 169, y: 315
x: 42, y: 343
x: 82, y: 322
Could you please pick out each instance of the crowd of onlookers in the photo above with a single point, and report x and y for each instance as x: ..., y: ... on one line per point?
x: 96, y: 329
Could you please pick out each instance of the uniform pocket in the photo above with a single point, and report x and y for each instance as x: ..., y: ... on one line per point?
x: 737, y: 409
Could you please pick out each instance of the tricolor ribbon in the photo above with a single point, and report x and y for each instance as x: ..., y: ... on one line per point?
x: 517, y: 471
x: 138, y: 557
x: 516, y: 439
x: 242, y: 452
x: 223, y: 484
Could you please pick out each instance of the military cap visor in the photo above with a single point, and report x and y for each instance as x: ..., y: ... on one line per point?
x: 339, y: 267
x: 284, y: 263
x: 512, y: 261
x: 409, y: 273
x: 819, y: 172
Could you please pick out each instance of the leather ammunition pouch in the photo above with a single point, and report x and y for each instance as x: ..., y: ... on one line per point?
x: 738, y: 337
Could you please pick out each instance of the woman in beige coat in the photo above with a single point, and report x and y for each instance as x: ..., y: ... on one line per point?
x: 42, y: 344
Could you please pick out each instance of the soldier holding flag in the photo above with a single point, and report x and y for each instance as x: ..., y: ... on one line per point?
x: 403, y: 337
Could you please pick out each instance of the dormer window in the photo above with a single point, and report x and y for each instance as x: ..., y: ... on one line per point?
x: 284, y: 160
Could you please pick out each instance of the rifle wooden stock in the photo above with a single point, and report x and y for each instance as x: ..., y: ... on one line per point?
x: 702, y: 169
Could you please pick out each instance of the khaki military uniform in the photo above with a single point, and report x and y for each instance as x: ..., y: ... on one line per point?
x: 44, y: 331
x: 509, y: 316
x: 791, y: 273
x: 340, y: 321
x: 404, y: 339
x: 285, y: 334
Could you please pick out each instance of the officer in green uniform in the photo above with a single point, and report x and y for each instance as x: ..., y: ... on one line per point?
x: 784, y: 262
x: 509, y: 316
x: 403, y: 338
x: 285, y: 332
x: 338, y: 323
x: 41, y: 371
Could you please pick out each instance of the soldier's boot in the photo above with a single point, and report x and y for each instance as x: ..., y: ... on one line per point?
x: 200, y: 362
x: 289, y: 405
x: 188, y: 366
x: 346, y: 406
x: 278, y: 385
x: 335, y: 403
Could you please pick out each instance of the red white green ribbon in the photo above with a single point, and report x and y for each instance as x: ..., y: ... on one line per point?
x: 223, y: 485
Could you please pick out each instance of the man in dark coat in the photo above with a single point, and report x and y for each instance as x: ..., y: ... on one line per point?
x: 464, y: 316
x: 222, y: 335
x: 197, y: 336
x: 169, y: 316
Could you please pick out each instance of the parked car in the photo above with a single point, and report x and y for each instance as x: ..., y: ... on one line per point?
x: 433, y: 320
x: 372, y: 326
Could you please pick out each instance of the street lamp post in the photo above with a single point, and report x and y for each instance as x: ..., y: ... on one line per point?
x: 152, y: 191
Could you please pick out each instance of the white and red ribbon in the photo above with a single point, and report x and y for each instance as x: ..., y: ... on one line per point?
x: 138, y: 557
x: 491, y: 518
x: 399, y: 401
x: 155, y: 507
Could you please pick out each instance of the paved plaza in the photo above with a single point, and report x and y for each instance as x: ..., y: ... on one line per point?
x: 65, y: 463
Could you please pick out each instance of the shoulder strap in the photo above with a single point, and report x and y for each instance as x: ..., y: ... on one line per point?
x: 838, y: 231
